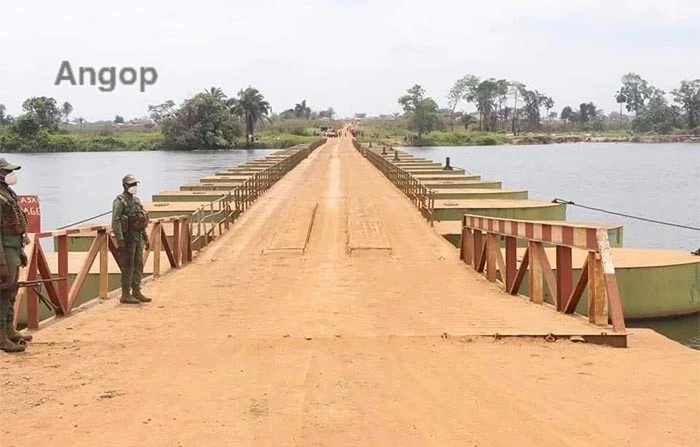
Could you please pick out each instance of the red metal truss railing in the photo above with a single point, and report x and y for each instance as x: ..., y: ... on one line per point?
x: 481, y: 248
x: 62, y: 294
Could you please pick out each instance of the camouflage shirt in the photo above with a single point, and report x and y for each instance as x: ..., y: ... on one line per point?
x: 126, y: 205
x: 13, y: 221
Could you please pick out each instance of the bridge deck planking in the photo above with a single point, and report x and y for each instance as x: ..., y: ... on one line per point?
x: 365, y: 230
x: 242, y: 348
x: 293, y: 232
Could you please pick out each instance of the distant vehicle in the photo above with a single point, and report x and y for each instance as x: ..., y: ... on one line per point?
x: 331, y: 133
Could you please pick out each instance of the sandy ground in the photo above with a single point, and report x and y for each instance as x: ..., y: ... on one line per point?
x: 332, y: 315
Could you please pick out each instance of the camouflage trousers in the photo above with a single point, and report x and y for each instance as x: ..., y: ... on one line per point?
x: 131, y: 263
x: 8, y: 297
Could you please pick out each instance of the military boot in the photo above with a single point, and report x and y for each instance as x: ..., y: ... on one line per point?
x: 140, y: 296
x: 15, y: 336
x: 127, y: 298
x: 8, y: 345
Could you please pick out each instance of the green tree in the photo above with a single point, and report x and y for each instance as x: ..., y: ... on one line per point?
x: 216, y: 92
x: 66, y: 110
x: 27, y: 126
x: 252, y: 107
x: 533, y: 101
x: 45, y: 111
x: 421, y: 111
x: 656, y: 117
x: 161, y: 112
x: 515, y: 88
x: 118, y: 119
x: 301, y: 110
x: 456, y: 94
x: 485, y: 96
x: 203, y: 122
x: 636, y: 91
x: 502, y: 90
x: 566, y: 114
x: 467, y: 119
x: 4, y: 117
x: 688, y: 97
x: 587, y: 112
x: 621, y: 99
x: 328, y: 113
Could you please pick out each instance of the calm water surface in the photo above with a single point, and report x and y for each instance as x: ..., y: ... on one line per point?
x: 75, y: 186
x: 657, y: 181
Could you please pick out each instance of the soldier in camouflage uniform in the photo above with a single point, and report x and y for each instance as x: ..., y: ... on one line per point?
x: 13, y: 238
x: 129, y: 222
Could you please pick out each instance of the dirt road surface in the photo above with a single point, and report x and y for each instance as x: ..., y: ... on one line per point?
x: 333, y: 315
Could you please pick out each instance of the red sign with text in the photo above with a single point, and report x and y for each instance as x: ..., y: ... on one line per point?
x: 30, y: 205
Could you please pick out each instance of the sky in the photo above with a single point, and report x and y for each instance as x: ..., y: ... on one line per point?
x: 357, y: 56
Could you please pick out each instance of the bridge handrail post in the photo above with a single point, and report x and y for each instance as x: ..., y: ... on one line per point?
x: 597, y: 272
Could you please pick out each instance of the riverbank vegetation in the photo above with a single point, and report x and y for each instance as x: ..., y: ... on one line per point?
x: 476, y: 111
x: 508, y: 111
x: 211, y: 120
x: 208, y: 120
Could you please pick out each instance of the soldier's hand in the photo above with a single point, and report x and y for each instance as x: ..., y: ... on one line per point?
x: 23, y: 260
x: 4, y: 273
x: 147, y: 246
x: 118, y: 244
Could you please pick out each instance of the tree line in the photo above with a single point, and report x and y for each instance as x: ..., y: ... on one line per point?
x: 510, y: 106
x: 41, y: 115
x: 212, y: 120
x: 208, y: 120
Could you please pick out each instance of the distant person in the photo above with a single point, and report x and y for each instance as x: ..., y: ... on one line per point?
x: 13, y: 234
x: 129, y: 222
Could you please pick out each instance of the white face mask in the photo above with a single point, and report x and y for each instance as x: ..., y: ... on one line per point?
x: 132, y: 190
x: 11, y: 179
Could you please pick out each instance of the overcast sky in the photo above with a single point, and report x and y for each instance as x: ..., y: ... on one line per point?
x: 354, y: 55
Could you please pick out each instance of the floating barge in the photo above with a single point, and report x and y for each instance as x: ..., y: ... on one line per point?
x: 507, y: 209
x: 446, y: 175
x: 211, y: 186
x: 189, y: 196
x: 225, y: 178
x: 408, y: 165
x: 479, y: 194
x: 420, y: 170
x: 652, y: 283
x: 455, y: 184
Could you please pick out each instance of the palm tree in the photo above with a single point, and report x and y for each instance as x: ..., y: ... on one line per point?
x: 621, y: 99
x: 252, y: 107
x: 216, y: 92
x: 302, y: 111
x: 66, y: 109
x: 467, y: 119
